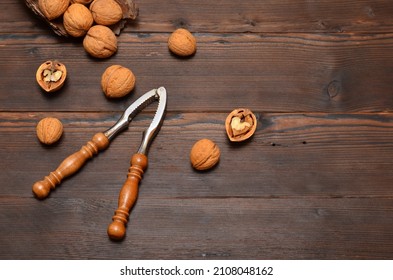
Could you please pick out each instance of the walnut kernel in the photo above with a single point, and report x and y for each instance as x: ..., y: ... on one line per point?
x: 53, y: 9
x: 51, y: 75
x: 106, y: 12
x: 100, y: 41
x: 204, y: 154
x: 49, y: 130
x: 117, y: 81
x: 182, y: 42
x: 77, y: 20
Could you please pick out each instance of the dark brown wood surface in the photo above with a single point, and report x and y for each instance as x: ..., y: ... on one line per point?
x: 314, y: 182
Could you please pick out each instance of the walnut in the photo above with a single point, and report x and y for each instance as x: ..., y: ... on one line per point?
x: 240, y: 125
x: 106, y: 12
x: 117, y: 81
x: 53, y: 9
x: 51, y: 75
x: 49, y: 130
x: 100, y: 41
x: 77, y: 20
x: 182, y: 42
x: 204, y: 154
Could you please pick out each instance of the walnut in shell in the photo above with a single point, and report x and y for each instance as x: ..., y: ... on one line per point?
x: 204, y: 154
x: 53, y: 9
x: 49, y: 130
x: 117, y: 81
x: 77, y: 20
x: 182, y: 42
x: 106, y: 12
x: 100, y: 42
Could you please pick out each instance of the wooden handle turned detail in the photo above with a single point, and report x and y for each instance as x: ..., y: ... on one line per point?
x: 127, y: 197
x: 70, y: 165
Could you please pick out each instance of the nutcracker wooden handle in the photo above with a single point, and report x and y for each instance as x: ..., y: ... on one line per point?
x: 70, y: 165
x: 127, y: 197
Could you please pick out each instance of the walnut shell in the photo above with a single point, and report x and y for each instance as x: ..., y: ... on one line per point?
x: 100, y: 42
x: 240, y: 124
x: 49, y: 130
x: 77, y: 20
x: 182, y: 42
x: 117, y: 81
x: 53, y: 9
x: 106, y: 12
x: 51, y: 75
x: 204, y: 154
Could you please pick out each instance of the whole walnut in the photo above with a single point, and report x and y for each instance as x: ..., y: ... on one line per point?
x: 117, y: 81
x: 106, y: 12
x: 77, y: 20
x: 53, y: 9
x: 204, y: 154
x: 49, y: 130
x: 182, y: 42
x: 100, y: 41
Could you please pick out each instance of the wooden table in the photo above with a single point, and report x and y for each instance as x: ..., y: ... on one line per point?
x: 314, y: 182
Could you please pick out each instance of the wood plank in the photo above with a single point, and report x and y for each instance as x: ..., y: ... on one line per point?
x: 272, y: 73
x: 195, y: 228
x: 313, y: 183
x: 291, y: 155
x: 229, y: 16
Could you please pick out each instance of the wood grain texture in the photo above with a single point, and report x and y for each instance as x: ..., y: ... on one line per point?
x: 272, y: 73
x: 314, y: 182
x: 325, y: 16
x: 290, y: 155
x: 307, y: 186
x: 197, y: 228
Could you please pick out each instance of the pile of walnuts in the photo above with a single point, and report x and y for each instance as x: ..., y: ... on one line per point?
x: 98, y: 21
